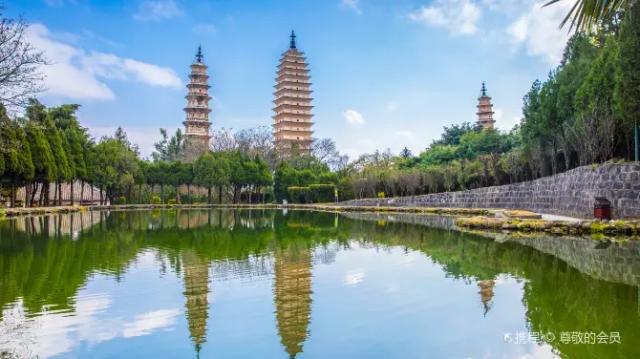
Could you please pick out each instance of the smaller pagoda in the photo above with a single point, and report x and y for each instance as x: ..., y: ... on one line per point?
x: 485, y: 109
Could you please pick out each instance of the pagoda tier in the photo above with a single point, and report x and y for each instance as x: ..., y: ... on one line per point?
x: 293, y: 76
x: 283, y: 106
x: 293, y: 84
x: 285, y: 90
x: 292, y: 127
x: 291, y: 116
x: 485, y: 109
x: 197, y: 111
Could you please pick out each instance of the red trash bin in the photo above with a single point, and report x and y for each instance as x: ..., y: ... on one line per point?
x: 602, y: 208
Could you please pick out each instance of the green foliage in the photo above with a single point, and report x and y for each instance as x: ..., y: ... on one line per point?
x: 627, y: 91
x: 452, y: 134
x: 314, y: 193
x: 300, y: 172
x: 117, y: 164
x: 156, y: 200
x: 439, y: 154
x: 299, y: 194
x: 212, y: 169
x: 168, y: 149
x: 322, y: 193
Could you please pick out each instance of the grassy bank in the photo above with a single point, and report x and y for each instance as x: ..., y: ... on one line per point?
x: 584, y: 227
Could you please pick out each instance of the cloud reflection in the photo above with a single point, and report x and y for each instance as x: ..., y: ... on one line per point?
x: 55, y: 333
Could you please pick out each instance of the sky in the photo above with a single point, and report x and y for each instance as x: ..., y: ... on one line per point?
x: 385, y: 74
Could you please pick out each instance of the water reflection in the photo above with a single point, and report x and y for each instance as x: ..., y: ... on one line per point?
x: 49, y: 266
x: 292, y: 295
x: 196, y: 292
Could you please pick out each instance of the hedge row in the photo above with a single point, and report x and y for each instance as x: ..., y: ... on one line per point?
x: 315, y: 193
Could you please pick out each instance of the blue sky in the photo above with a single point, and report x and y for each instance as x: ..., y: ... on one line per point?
x: 385, y: 73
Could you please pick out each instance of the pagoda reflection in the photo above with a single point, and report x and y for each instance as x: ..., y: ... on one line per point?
x: 292, y: 295
x: 486, y: 294
x: 196, y: 291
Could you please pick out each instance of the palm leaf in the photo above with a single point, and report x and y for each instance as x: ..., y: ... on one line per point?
x: 585, y: 14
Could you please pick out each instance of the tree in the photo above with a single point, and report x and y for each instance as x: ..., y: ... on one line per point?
x: 60, y: 148
x: 118, y: 163
x: 77, y: 142
x: 451, y: 135
x: 168, y: 149
x: 212, y: 169
x: 16, y: 165
x: 19, y: 63
x: 42, y: 158
x: 627, y: 96
x: 596, y: 120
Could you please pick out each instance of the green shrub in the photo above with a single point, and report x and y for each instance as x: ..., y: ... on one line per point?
x: 171, y: 201
x: 299, y: 194
x: 381, y: 195
x: 155, y: 200
x: 322, y: 193
x: 122, y: 200
x: 315, y: 193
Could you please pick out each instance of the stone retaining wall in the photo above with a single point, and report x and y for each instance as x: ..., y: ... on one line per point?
x: 570, y: 193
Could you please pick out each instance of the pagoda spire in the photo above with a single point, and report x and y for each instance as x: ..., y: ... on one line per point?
x: 484, y: 89
x: 199, y: 56
x: 292, y: 43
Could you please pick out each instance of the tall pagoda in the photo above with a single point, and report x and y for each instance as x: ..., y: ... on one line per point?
x: 197, y: 122
x: 485, y: 109
x: 292, y: 119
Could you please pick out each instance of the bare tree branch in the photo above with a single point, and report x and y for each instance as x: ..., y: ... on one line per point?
x: 20, y: 62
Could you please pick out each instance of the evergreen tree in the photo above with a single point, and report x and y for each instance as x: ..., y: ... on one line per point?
x: 627, y: 95
x: 212, y: 169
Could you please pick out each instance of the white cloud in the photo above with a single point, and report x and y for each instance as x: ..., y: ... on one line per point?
x: 508, y: 7
x: 353, y: 117
x: 354, y: 277
x: 459, y: 17
x: 538, y: 30
x: 76, y: 74
x: 352, y: 4
x: 158, y: 10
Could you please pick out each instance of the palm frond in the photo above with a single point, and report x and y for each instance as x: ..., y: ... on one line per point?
x: 585, y: 14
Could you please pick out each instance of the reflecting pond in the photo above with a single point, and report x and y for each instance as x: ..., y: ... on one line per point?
x: 277, y: 284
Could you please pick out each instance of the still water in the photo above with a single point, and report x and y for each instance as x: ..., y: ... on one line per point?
x: 274, y: 284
